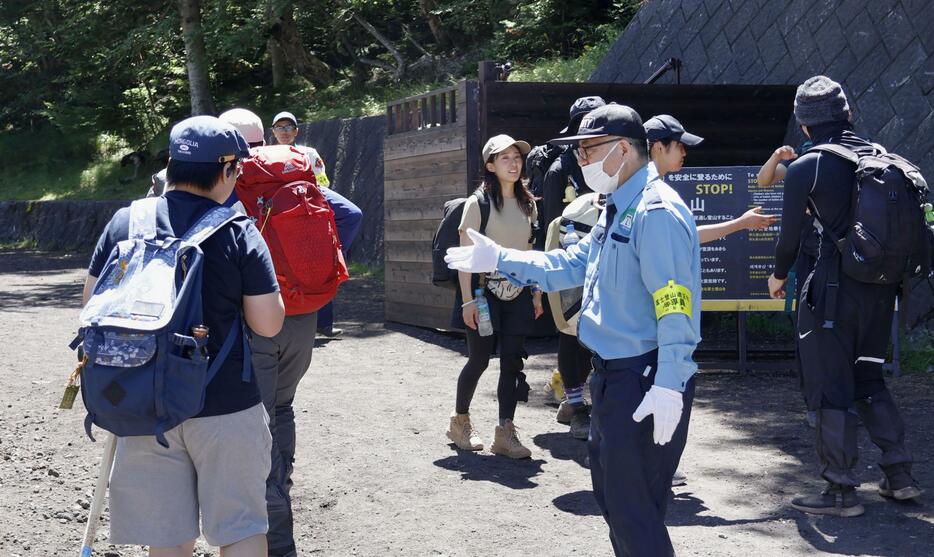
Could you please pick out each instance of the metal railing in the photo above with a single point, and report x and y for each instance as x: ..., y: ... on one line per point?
x: 437, y: 108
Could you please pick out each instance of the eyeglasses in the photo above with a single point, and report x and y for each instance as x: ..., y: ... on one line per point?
x: 583, y: 152
x: 285, y: 128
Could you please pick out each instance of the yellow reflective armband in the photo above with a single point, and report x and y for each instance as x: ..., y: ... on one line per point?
x: 672, y: 298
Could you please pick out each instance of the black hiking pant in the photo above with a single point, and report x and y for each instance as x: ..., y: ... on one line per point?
x: 573, y: 361
x: 842, y: 368
x: 511, y: 378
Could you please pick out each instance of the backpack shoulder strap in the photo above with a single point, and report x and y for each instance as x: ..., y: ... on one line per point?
x: 484, y: 202
x: 838, y: 150
x: 142, y: 224
x: 209, y: 223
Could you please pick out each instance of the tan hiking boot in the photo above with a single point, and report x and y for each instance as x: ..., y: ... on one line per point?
x: 506, y: 442
x: 565, y: 413
x: 462, y: 433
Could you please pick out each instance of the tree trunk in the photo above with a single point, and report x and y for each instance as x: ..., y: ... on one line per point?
x: 196, y: 58
x: 286, y: 33
x: 438, y: 31
x: 277, y: 61
x: 276, y: 58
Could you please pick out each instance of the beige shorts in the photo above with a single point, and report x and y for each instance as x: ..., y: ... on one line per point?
x: 216, y: 465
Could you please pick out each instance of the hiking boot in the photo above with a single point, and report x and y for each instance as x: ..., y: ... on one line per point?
x: 678, y: 479
x: 580, y: 423
x: 565, y: 413
x: 462, y: 433
x: 506, y: 442
x: 900, y: 486
x: 833, y: 500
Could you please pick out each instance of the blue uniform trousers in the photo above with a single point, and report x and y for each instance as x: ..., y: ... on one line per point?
x: 347, y: 217
x: 631, y: 474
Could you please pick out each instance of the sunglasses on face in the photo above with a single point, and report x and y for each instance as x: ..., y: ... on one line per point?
x: 285, y: 128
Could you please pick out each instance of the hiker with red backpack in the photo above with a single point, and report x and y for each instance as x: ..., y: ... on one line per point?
x: 172, y: 286
x: 491, y: 309
x: 346, y: 214
x: 871, y: 211
x: 279, y: 191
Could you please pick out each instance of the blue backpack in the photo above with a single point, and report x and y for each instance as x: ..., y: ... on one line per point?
x: 146, y: 361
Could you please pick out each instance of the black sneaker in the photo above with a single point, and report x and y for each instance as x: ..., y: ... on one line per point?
x: 678, y: 479
x: 332, y: 332
x: 834, y: 501
x: 580, y: 423
x: 900, y: 486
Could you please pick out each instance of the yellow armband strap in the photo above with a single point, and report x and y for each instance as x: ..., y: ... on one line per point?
x: 672, y: 298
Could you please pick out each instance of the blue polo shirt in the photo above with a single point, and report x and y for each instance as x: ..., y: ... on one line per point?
x: 236, y: 264
x: 639, y: 264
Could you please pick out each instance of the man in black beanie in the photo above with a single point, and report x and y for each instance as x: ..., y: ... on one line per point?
x: 843, y: 324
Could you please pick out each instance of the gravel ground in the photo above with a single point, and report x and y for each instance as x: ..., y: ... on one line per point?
x: 376, y: 476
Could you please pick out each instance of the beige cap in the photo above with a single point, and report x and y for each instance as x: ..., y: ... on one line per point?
x: 501, y: 142
x: 249, y: 124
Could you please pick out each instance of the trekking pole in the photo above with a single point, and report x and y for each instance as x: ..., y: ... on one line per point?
x: 100, y: 491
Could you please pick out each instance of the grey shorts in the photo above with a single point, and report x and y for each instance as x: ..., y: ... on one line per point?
x: 216, y: 466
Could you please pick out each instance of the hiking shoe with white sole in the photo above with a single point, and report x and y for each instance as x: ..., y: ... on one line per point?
x: 900, y: 487
x: 462, y: 433
x: 565, y: 413
x: 833, y: 501
x: 506, y: 442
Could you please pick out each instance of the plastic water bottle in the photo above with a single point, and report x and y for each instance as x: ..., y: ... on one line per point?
x: 484, y: 323
x: 571, y: 236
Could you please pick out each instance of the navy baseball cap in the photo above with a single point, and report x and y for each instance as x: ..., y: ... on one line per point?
x: 611, y: 119
x: 664, y: 126
x: 285, y: 116
x: 206, y: 139
x: 581, y: 107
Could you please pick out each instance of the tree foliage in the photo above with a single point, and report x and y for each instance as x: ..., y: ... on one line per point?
x: 119, y: 66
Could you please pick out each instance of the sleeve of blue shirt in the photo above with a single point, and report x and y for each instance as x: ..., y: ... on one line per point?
x: 347, y: 216
x: 554, y: 270
x: 666, y: 253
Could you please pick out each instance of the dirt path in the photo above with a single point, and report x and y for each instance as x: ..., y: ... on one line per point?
x: 375, y: 475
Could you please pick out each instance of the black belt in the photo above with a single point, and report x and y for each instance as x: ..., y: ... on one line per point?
x: 620, y: 364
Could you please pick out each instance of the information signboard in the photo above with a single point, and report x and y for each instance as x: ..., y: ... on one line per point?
x: 735, y: 269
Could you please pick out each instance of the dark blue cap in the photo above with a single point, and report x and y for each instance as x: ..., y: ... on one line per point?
x: 664, y: 126
x: 580, y: 107
x: 612, y: 119
x: 206, y: 139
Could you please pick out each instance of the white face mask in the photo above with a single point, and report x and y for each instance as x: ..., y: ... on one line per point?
x: 598, y: 180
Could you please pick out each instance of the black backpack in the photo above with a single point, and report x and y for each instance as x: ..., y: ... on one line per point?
x: 447, y: 236
x: 888, y: 239
x: 537, y: 163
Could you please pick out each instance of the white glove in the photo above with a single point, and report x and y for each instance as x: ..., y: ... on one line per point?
x: 665, y: 405
x: 481, y: 257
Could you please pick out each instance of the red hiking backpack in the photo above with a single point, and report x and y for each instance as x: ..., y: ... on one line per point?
x: 279, y: 191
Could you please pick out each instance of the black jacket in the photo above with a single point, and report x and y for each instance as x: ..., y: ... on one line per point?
x: 824, y: 183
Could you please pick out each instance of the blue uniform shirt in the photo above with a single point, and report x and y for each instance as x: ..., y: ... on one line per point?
x: 649, y: 248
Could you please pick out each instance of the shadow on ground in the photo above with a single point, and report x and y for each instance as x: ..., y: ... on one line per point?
x: 483, y: 467
x: 764, y: 411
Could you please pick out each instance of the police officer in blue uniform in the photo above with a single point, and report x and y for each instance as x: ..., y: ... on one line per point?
x: 640, y: 315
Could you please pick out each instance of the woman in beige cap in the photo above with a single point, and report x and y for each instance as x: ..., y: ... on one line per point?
x: 510, y: 211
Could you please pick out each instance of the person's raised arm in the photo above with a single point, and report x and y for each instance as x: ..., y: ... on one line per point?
x: 772, y: 171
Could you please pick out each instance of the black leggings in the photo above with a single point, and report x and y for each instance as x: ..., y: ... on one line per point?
x: 479, y: 350
x: 574, y: 361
